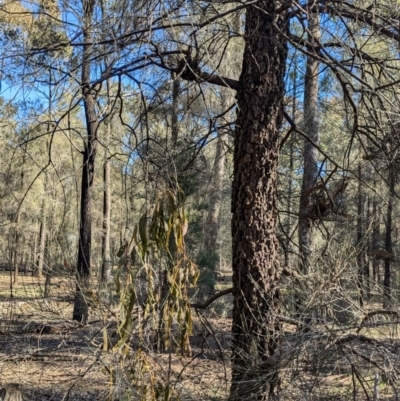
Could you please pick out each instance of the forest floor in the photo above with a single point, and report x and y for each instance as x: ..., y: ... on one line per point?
x: 52, y: 358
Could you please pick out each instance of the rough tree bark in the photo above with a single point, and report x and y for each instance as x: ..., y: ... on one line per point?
x: 257, y: 301
x: 288, y: 239
x: 81, y: 310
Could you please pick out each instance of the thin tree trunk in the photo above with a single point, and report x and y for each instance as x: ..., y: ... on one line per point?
x: 256, y: 328
x: 42, y: 242
x: 33, y: 258
x: 106, y: 274
x: 212, y: 220
x: 174, y: 114
x: 81, y: 310
x: 375, y: 242
x: 47, y: 283
x: 105, y: 240
x: 310, y: 165
x: 310, y: 153
x: 48, y: 272
x: 376, y: 387
x: 17, y: 232
x: 43, y: 218
x: 368, y: 250
x: 122, y: 218
x: 360, y: 247
x: 22, y: 255
x: 388, y: 241
x: 49, y: 261
x: 17, y: 236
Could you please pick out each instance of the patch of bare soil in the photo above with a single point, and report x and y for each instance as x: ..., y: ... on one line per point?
x: 51, y: 357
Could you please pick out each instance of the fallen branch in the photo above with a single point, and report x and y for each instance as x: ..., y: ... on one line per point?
x: 378, y: 312
x: 212, y: 299
x: 352, y: 337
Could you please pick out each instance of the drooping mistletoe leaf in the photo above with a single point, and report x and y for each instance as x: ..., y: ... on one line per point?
x: 159, y: 241
x: 143, y: 233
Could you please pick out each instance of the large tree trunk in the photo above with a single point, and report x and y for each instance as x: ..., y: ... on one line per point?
x: 310, y: 153
x: 257, y: 301
x: 80, y: 312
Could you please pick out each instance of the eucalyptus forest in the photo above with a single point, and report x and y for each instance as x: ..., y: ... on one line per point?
x: 199, y: 200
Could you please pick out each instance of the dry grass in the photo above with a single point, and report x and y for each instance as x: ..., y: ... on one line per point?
x: 53, y: 358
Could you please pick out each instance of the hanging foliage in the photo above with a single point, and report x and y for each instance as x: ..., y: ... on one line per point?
x: 155, y: 255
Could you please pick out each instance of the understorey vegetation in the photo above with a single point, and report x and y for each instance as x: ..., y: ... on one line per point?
x: 199, y: 200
